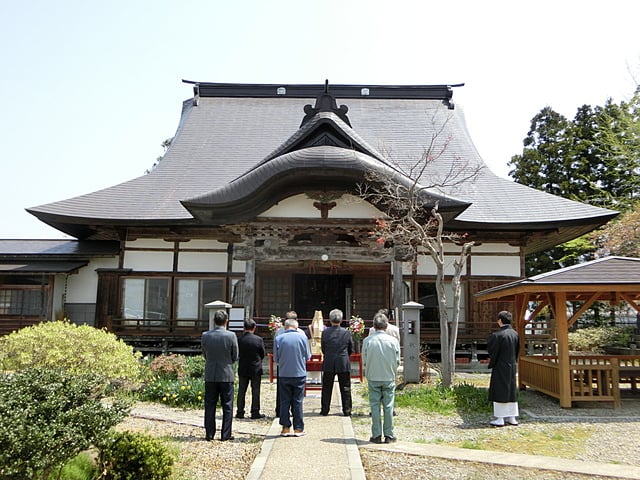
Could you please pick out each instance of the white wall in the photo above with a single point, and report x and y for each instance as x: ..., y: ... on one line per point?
x: 149, y: 261
x: 202, y: 262
x: 159, y: 259
x: 301, y: 206
x: 496, y: 266
x: 82, y: 287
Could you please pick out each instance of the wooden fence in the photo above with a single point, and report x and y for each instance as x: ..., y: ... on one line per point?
x: 592, y: 377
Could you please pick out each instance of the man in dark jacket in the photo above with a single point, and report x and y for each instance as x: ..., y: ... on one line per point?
x: 503, y: 346
x: 251, y: 348
x: 337, y: 346
x: 220, y: 350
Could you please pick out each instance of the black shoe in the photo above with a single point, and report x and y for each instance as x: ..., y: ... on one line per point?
x: 258, y: 416
x: 231, y: 438
x: 390, y: 439
x: 324, y: 414
x: 377, y: 439
x: 239, y: 416
x: 208, y: 439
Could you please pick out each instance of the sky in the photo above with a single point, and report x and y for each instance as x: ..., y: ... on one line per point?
x: 89, y: 90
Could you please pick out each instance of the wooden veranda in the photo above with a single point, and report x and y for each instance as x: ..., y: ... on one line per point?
x: 573, y: 378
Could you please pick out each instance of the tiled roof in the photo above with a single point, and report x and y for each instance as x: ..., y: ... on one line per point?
x: 51, y: 256
x: 56, y: 248
x: 608, y: 274
x: 221, y: 138
x: 603, y: 270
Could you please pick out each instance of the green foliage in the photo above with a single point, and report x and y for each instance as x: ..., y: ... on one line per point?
x: 593, y: 339
x: 187, y: 392
x: 595, y: 159
x: 462, y: 398
x: 195, y: 366
x: 621, y: 236
x: 134, y: 456
x: 81, y: 467
x: 48, y: 417
x: 77, y: 349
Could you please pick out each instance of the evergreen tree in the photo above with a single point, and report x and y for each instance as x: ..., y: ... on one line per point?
x: 593, y: 159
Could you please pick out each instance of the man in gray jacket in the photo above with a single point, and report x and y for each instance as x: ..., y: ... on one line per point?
x: 381, y: 358
x: 220, y: 349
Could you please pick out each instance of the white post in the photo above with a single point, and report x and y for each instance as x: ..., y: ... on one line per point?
x: 213, y: 307
x: 411, y: 341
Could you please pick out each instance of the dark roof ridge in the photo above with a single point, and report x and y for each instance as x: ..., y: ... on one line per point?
x: 429, y: 92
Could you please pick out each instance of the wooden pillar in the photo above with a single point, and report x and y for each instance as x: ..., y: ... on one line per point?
x: 250, y: 287
x: 562, y: 332
x: 519, y: 310
x: 398, y: 286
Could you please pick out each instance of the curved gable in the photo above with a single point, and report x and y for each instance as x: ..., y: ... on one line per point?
x: 311, y: 204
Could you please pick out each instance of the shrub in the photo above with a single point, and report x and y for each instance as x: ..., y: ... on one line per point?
x: 593, y: 339
x: 48, y: 417
x: 187, y: 392
x: 77, y: 349
x: 134, y: 456
x: 81, y: 467
x: 195, y: 366
x: 169, y: 366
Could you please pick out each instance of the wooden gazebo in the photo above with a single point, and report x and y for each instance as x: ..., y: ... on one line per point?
x: 573, y: 378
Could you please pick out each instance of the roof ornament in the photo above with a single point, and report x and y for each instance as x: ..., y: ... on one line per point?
x: 196, y: 94
x: 325, y: 103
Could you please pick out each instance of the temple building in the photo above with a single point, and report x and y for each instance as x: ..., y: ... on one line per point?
x: 256, y: 203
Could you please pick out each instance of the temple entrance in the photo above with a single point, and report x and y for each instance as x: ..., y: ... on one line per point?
x: 321, y: 292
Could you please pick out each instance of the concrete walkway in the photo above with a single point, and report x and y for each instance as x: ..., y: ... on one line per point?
x: 328, y: 450
x: 541, y: 462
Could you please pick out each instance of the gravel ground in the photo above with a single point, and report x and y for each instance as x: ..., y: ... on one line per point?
x: 593, y: 432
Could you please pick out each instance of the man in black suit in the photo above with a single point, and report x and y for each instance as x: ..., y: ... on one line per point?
x: 220, y: 350
x: 251, y: 349
x: 337, y: 345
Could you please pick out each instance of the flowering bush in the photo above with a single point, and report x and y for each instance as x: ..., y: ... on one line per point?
x: 186, y: 393
x: 169, y: 366
x: 356, y: 327
x: 274, y: 324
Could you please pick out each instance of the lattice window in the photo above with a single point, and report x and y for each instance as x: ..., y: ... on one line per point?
x: 24, y: 302
x: 275, y: 292
x: 370, y: 294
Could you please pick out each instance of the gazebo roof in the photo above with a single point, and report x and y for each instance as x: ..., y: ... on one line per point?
x: 606, y: 279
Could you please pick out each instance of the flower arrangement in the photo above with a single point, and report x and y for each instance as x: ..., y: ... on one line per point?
x: 356, y: 327
x: 275, y: 323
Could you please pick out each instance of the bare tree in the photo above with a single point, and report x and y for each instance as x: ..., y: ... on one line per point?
x: 413, y: 224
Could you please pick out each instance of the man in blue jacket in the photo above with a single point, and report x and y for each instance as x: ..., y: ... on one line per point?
x: 291, y: 352
x: 220, y: 350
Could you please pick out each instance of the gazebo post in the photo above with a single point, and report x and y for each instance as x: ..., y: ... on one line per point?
x: 562, y: 333
x: 519, y: 305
